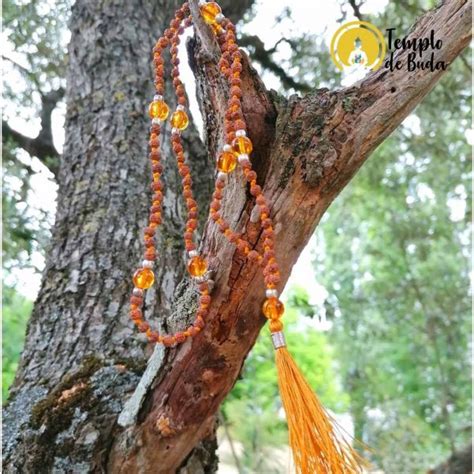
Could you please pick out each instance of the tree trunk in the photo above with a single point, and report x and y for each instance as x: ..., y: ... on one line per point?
x: 82, y: 359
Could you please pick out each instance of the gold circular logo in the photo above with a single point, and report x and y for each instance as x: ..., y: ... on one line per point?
x: 358, y: 44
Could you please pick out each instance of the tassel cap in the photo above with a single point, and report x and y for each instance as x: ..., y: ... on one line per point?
x: 278, y: 339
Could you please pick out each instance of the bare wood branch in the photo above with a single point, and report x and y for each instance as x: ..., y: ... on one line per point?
x: 42, y: 145
x: 44, y: 151
x: 356, y: 9
x: 264, y: 57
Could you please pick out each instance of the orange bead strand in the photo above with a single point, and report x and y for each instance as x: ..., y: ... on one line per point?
x: 236, y: 151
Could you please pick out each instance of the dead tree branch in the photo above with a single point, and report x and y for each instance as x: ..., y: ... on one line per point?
x: 42, y: 145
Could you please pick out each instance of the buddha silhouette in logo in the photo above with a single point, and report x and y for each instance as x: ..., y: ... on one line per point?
x: 358, y: 58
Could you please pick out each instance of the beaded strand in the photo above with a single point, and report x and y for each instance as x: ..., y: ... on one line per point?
x: 237, y: 150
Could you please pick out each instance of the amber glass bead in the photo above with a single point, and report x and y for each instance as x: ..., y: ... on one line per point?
x: 158, y: 109
x: 197, y: 266
x: 209, y: 11
x: 143, y: 278
x: 180, y: 120
x: 242, y: 145
x: 273, y: 308
x: 226, y: 162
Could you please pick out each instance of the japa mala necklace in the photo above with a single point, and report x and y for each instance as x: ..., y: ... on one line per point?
x: 313, y: 436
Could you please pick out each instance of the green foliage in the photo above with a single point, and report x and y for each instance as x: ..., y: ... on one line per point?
x: 35, y: 49
x: 17, y: 237
x: 16, y: 311
x: 36, y: 31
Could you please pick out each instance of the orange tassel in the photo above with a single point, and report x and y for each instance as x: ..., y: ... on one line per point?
x: 313, y: 437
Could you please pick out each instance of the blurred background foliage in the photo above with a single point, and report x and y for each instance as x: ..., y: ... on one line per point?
x: 393, y: 252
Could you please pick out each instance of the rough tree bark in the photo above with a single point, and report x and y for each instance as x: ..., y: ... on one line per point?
x: 82, y: 359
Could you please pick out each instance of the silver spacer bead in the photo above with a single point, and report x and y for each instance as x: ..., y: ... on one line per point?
x: 202, y: 2
x: 193, y: 253
x: 221, y: 175
x: 156, y: 121
x: 219, y: 18
x: 240, y: 133
x: 180, y: 107
x: 175, y: 131
x: 147, y: 264
x: 271, y: 293
x: 157, y: 97
x: 243, y: 158
x: 202, y: 278
x: 226, y: 148
x: 278, y: 339
x: 137, y: 292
